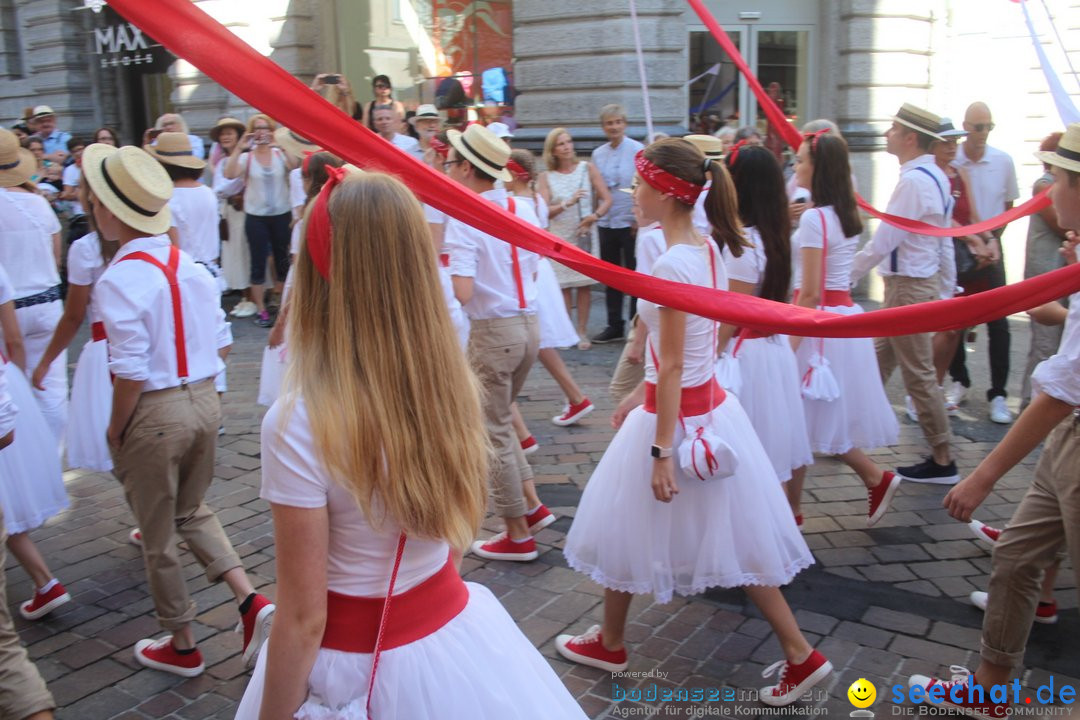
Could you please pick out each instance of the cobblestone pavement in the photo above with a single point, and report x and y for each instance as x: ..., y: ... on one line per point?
x: 880, y: 603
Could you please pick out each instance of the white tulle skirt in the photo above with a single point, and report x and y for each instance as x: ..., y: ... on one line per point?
x: 31, y: 483
x: 235, y: 254
x: 91, y: 406
x: 556, y: 328
x: 728, y: 532
x: 272, y: 374
x: 771, y: 397
x: 861, y: 417
x: 479, y: 666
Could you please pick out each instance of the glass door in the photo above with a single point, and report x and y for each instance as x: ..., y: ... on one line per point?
x: 716, y: 92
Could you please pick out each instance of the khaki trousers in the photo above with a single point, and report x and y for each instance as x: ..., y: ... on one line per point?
x: 627, y: 375
x: 501, y: 352
x: 1046, y: 520
x: 22, y: 691
x: 166, y: 464
x: 915, y: 355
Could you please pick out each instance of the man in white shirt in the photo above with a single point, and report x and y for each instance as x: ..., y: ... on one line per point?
x: 914, y: 269
x: 615, y: 161
x: 992, y: 177
x: 167, y: 341
x: 494, y: 282
x: 387, y: 123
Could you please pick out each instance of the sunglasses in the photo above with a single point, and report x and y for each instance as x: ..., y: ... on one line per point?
x: 982, y: 127
x: 380, y: 86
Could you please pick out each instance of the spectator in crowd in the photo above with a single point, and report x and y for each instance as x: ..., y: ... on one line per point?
x: 427, y: 122
x: 20, y: 130
x: 387, y: 124
x: 235, y: 253
x: 384, y: 100
x: 727, y: 136
x: 43, y: 123
x: 617, y: 229
x: 172, y: 122
x: 70, y: 193
x: 748, y: 135
x: 993, y: 188
x: 501, y: 131
x: 47, y: 171
x: 107, y: 135
x: 338, y: 93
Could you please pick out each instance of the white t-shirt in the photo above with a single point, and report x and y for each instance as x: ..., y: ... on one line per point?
x: 1059, y: 375
x: 840, y: 256
x: 750, y: 266
x: 992, y: 179
x: 687, y: 264
x: 297, y: 196
x: 71, y: 176
x: 359, y: 556
x: 649, y: 247
x: 84, y: 266
x: 195, y: 217
x: 27, y: 225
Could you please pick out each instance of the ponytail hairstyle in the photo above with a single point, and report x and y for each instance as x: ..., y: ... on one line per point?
x: 685, y: 161
x: 831, y: 183
x: 759, y: 185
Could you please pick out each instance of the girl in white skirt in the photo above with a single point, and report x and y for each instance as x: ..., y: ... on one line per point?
x: 375, y: 465
x: 769, y: 388
x: 644, y: 524
x: 827, y: 238
x: 32, y: 487
x: 556, y: 328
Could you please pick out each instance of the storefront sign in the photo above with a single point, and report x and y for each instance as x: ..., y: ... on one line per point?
x: 123, y: 45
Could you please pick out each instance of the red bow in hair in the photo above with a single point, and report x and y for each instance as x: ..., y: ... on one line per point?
x: 519, y: 172
x: 733, y: 152
x: 319, y: 228
x: 307, y: 159
x: 664, y: 182
x: 441, y: 148
x: 813, y: 137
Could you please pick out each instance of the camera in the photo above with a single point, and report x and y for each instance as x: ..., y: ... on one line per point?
x: 332, y: 80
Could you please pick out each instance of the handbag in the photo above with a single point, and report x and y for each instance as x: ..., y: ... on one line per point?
x: 702, y: 453
x: 819, y: 383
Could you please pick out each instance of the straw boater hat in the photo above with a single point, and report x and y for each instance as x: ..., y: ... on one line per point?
x: 947, y: 130
x: 41, y: 111
x: 132, y: 184
x: 227, y: 122
x: 479, y: 146
x: 174, y: 148
x: 425, y: 112
x: 17, y: 164
x: 918, y: 119
x: 713, y: 147
x: 1067, y: 155
x: 293, y: 144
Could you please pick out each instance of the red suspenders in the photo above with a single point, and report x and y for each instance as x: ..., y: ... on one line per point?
x: 178, y: 310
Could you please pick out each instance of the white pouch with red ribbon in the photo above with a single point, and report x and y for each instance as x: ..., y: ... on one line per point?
x: 819, y: 383
x: 728, y: 374
x: 704, y: 455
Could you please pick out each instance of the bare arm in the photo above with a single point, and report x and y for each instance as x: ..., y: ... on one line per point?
x: 126, y: 394
x: 668, y: 397
x: 463, y: 288
x: 13, y: 339
x: 1048, y: 214
x: 810, y: 292
x: 603, y: 193
x: 232, y: 165
x: 726, y: 331
x: 303, y: 536
x: 57, y: 253
x: 78, y: 298
x: 1052, y: 313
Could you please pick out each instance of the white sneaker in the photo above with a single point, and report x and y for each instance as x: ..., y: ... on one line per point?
x: 244, y: 308
x: 999, y: 411
x: 910, y: 408
x: 955, y: 393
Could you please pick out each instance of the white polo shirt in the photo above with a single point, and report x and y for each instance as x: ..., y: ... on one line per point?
x: 488, y: 261
x: 993, y: 180
x: 136, y: 306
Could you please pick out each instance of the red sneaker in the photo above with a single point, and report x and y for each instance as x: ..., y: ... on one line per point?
x: 161, y: 655
x: 794, y: 679
x: 135, y: 537
x: 880, y: 497
x: 255, y: 624
x: 984, y: 710
x: 539, y: 519
x: 984, y: 532
x: 44, y: 603
x: 573, y: 413
x: 500, y: 547
x: 1046, y: 613
x: 529, y: 445
x: 588, y: 649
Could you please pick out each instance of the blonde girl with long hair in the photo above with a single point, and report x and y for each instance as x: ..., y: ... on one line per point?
x: 375, y: 466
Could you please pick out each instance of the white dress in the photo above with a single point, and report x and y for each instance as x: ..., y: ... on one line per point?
x: 728, y: 532
x: 861, y: 417
x: 770, y: 392
x: 91, y: 388
x: 556, y: 328
x: 565, y: 224
x: 479, y: 666
x: 235, y: 253
x: 32, y: 487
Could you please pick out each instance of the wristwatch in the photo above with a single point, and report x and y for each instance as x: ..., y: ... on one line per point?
x: 661, y: 452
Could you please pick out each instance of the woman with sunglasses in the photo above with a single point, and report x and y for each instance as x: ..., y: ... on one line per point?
x: 384, y: 100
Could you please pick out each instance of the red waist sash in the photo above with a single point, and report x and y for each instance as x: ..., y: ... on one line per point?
x: 352, y: 623
x: 832, y: 298
x: 97, y: 331
x: 694, y: 401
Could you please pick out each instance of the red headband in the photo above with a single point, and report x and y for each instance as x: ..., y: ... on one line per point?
x: 319, y: 228
x: 733, y: 152
x: 440, y: 147
x: 307, y: 159
x: 664, y: 182
x: 519, y: 172
x: 813, y: 137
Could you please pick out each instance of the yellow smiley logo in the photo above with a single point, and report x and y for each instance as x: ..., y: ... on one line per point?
x: 862, y: 693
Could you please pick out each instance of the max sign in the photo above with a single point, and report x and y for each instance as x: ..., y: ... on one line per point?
x: 125, y: 43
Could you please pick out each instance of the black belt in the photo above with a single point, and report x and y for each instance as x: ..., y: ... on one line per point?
x: 41, y: 298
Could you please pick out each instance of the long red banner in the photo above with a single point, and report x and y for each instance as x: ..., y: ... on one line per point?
x: 190, y: 33
x: 793, y: 137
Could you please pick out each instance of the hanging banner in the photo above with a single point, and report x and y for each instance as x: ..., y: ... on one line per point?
x: 190, y: 33
x: 1064, y: 103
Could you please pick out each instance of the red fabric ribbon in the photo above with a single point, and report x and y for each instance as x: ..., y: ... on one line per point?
x: 664, y: 182
x: 733, y: 152
x: 519, y: 172
x: 319, y: 229
x: 188, y: 32
x: 440, y: 148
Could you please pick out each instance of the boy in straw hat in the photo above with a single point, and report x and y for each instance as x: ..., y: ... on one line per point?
x: 494, y: 282
x: 1048, y: 516
x: 915, y: 268
x: 167, y: 337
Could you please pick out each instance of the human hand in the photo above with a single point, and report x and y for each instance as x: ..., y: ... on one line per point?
x: 795, y: 210
x: 245, y: 141
x: 621, y: 411
x: 39, y: 376
x: 114, y: 437
x: 576, y: 197
x: 993, y: 249
x: 663, y: 479
x: 964, y: 497
x: 277, y: 335
x: 1068, y: 247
